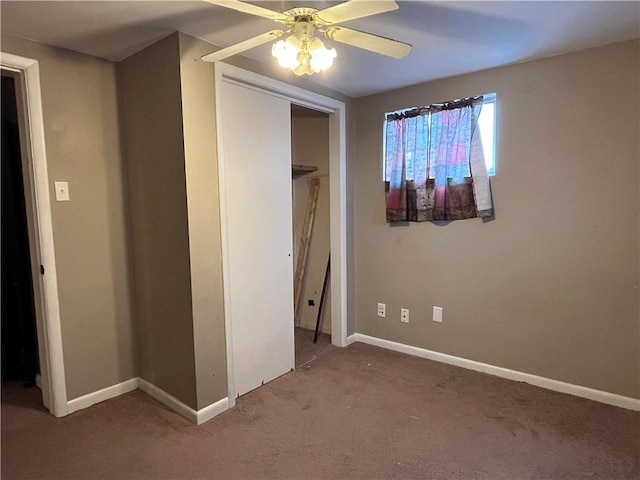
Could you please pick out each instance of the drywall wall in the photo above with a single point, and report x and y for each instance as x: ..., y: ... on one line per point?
x: 153, y: 146
x: 310, y: 146
x: 550, y: 285
x: 82, y: 147
x: 201, y: 169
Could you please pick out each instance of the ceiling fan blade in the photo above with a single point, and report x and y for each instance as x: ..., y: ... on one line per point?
x: 368, y: 41
x: 242, y: 46
x: 354, y: 9
x: 251, y: 9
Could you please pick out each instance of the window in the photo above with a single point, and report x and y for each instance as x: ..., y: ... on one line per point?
x: 486, y: 123
x: 437, y: 161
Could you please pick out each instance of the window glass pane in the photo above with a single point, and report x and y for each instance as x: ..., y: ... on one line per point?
x: 486, y: 123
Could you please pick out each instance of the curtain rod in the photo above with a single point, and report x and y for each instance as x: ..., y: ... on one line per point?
x: 437, y: 107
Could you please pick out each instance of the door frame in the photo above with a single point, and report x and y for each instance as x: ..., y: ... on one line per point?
x: 338, y: 196
x: 45, y: 286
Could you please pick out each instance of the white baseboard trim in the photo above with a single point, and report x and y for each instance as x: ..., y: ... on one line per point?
x: 550, y: 384
x: 101, y: 395
x: 207, y: 413
x: 197, y: 417
x: 168, y: 400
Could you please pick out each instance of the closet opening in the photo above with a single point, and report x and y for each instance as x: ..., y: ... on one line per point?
x: 311, y: 232
x: 257, y: 224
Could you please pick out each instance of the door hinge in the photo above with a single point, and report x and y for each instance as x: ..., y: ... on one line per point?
x: 41, y: 270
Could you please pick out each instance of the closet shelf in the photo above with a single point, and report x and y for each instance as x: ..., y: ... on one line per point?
x: 299, y: 170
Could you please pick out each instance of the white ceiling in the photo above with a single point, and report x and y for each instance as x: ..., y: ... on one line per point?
x: 448, y: 37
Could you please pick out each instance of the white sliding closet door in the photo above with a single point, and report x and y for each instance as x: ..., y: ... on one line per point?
x: 256, y: 151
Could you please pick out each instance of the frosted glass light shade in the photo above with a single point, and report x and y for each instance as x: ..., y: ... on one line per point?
x: 286, y: 52
x: 321, y: 57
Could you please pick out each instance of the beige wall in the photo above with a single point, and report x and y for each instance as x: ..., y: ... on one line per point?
x: 310, y: 146
x: 550, y: 286
x: 153, y: 145
x: 82, y: 147
x: 201, y: 167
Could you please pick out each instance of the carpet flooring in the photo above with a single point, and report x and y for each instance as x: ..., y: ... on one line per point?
x: 306, y: 350
x: 354, y: 413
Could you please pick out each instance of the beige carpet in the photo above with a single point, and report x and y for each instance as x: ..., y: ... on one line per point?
x: 359, y: 412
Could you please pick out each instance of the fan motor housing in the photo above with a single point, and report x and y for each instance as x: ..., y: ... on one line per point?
x: 300, y: 12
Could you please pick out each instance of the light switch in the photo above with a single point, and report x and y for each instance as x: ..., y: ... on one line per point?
x: 62, y: 191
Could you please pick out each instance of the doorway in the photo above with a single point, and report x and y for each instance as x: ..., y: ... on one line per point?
x: 311, y: 232
x: 238, y: 279
x: 258, y: 229
x: 35, y: 198
x: 19, y: 340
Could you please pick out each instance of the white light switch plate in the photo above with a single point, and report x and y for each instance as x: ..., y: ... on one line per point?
x: 62, y: 191
x: 437, y: 314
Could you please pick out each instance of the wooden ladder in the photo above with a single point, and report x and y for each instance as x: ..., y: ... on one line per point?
x: 305, y: 240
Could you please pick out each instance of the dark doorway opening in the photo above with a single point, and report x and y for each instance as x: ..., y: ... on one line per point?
x: 19, y: 340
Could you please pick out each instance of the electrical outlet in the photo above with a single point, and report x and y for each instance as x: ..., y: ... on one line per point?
x: 437, y: 314
x: 404, y: 315
x: 382, y: 310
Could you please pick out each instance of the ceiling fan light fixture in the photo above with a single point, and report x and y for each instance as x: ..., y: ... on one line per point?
x: 303, y: 55
x: 302, y: 52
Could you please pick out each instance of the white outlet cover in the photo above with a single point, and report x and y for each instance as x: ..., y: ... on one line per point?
x: 404, y: 315
x: 62, y: 191
x: 382, y: 310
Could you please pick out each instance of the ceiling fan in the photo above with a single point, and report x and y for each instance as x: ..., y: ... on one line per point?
x: 302, y: 51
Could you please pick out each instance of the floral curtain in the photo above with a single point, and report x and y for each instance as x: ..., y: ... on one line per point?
x: 435, y: 164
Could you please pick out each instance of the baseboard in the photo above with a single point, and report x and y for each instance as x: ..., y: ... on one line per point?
x: 101, y: 395
x: 550, y: 384
x: 207, y: 413
x: 168, y: 400
x: 197, y: 417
